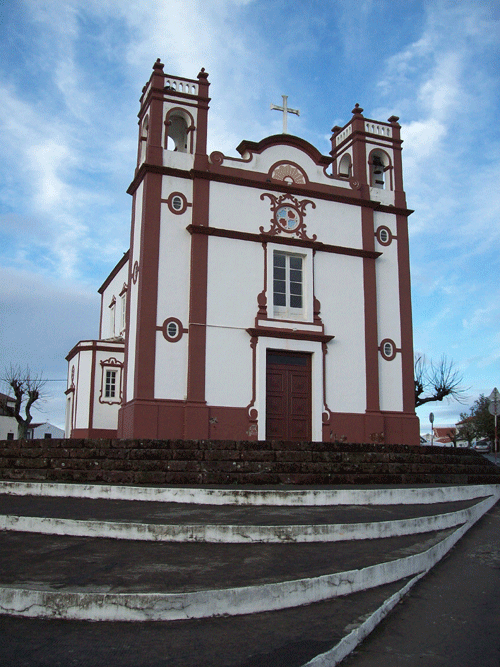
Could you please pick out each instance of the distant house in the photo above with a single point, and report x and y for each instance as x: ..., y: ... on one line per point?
x: 44, y: 431
x: 442, y: 434
x: 8, y: 424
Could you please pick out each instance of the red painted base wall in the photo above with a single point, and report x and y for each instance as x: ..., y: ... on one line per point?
x: 181, y: 420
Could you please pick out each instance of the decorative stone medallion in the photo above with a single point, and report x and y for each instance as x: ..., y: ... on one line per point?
x: 288, y: 215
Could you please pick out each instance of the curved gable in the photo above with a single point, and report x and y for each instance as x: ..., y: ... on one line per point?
x: 275, y: 140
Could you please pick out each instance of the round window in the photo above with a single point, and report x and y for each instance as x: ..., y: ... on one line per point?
x: 177, y: 203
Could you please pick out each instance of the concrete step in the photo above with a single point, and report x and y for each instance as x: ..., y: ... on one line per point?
x: 258, y: 576
x: 187, y: 522
x: 284, y: 638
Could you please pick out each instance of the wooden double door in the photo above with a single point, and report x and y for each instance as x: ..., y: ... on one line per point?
x: 288, y: 396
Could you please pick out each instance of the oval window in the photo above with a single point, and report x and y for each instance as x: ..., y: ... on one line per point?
x: 384, y: 235
x: 177, y: 203
x: 172, y: 329
x: 388, y: 349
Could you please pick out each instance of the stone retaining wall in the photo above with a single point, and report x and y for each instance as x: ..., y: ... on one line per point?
x: 236, y: 462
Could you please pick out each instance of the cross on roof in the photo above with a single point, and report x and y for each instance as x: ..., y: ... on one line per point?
x: 285, y: 110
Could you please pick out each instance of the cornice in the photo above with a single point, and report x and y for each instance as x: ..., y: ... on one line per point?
x: 240, y: 177
x: 283, y: 240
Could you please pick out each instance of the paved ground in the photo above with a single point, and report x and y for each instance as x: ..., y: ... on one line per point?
x: 185, y: 513
x: 452, y: 616
x: 121, y: 566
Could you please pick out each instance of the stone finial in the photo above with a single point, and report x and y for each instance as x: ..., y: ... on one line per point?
x: 393, y: 120
x: 357, y: 111
x: 336, y: 129
x: 202, y: 74
x: 158, y: 65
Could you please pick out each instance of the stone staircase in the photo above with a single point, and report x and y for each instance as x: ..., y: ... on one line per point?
x: 219, y: 576
x: 205, y: 462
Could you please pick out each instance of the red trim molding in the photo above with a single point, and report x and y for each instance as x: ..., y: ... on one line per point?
x: 268, y: 238
x: 271, y: 332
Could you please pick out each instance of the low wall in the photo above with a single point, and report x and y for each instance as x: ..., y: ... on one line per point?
x: 192, y: 462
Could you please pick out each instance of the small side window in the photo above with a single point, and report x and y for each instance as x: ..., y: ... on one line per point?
x: 388, y: 349
x: 172, y: 330
x: 384, y: 235
x: 110, y: 384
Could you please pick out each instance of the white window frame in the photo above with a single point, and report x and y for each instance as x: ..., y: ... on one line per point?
x: 287, y: 312
x: 112, y: 317
x: 111, y: 365
x: 124, y: 310
x: 110, y: 376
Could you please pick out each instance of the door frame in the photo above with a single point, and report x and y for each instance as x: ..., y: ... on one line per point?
x: 306, y: 367
x: 314, y: 348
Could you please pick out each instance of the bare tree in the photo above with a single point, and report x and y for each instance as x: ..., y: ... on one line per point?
x: 27, y: 388
x: 433, y: 382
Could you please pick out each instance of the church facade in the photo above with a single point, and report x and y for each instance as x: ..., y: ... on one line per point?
x: 264, y: 296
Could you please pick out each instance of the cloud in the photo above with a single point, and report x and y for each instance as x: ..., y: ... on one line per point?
x: 42, y: 320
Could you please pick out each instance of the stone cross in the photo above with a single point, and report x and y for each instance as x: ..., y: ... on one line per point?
x: 285, y: 110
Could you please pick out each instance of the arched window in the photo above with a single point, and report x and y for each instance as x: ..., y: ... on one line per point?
x: 345, y: 166
x: 379, y: 164
x: 143, y: 140
x: 178, y: 126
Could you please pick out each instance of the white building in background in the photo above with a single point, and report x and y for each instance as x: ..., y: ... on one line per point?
x: 44, y: 431
x: 8, y: 424
x: 264, y: 296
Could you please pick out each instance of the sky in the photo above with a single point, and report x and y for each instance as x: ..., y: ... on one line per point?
x: 71, y: 74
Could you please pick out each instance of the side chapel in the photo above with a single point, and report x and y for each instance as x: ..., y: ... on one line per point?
x: 265, y: 296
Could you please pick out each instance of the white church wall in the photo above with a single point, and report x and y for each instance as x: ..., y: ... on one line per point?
x: 171, y: 368
x: 237, y: 208
x: 242, y: 209
x: 174, y: 268
x: 112, y: 325
x: 229, y: 367
x: 178, y: 160
x: 83, y: 372
x: 132, y: 299
x: 390, y: 391
x: 389, y: 316
x: 387, y: 279
x: 339, y: 288
x: 171, y: 184
x: 335, y: 223
x: 235, y: 278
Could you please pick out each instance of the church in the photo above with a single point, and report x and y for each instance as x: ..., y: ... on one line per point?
x: 263, y: 297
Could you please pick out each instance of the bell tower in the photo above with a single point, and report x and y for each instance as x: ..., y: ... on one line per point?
x: 172, y: 141
x: 369, y: 153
